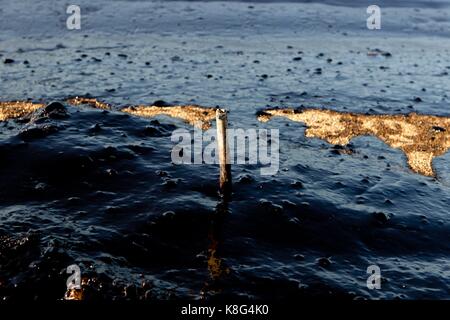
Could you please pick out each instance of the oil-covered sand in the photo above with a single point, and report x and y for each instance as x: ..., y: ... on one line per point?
x: 96, y: 186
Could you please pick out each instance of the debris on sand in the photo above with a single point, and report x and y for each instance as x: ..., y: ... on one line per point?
x: 192, y: 114
x: 378, y: 52
x: 17, y: 109
x: 414, y: 134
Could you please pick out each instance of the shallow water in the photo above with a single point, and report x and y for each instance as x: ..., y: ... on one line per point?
x: 98, y: 196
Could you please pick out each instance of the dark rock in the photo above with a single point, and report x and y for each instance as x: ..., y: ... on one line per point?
x: 170, y: 183
x: 37, y: 131
x: 168, y: 215
x: 111, y: 172
x: 245, y: 179
x: 297, y: 185
x: 269, y: 206
x: 381, y: 217
x: 324, y: 262
x: 55, y: 110
x: 261, y: 113
x: 295, y: 221
x: 438, y: 129
x: 8, y: 61
x: 130, y: 291
x: 95, y: 128
x: 160, y: 103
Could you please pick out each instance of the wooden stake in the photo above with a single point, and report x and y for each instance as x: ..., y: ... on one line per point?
x: 224, y: 152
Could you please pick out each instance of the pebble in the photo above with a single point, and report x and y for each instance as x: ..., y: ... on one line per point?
x: 381, y: 217
x: 55, y: 110
x: 324, y: 262
x: 299, y: 257
x: 246, y: 179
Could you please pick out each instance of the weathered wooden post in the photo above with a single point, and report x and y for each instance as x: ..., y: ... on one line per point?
x: 224, y: 152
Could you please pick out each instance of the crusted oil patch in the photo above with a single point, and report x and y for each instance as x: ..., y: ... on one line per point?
x: 420, y: 137
x: 192, y: 114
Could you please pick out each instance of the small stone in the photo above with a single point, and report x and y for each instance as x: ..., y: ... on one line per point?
x: 41, y: 187
x: 246, y: 179
x: 38, y: 131
x: 324, y: 262
x: 130, y: 291
x: 270, y: 206
x: 160, y: 103
x: 170, y: 183
x: 55, y: 110
x: 111, y: 172
x: 438, y: 129
x: 297, y: 185
x: 381, y: 217
x: 146, y: 285
x: 168, y: 215
x: 295, y: 221
x: 148, y: 295
x: 95, y: 128
x: 299, y: 257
